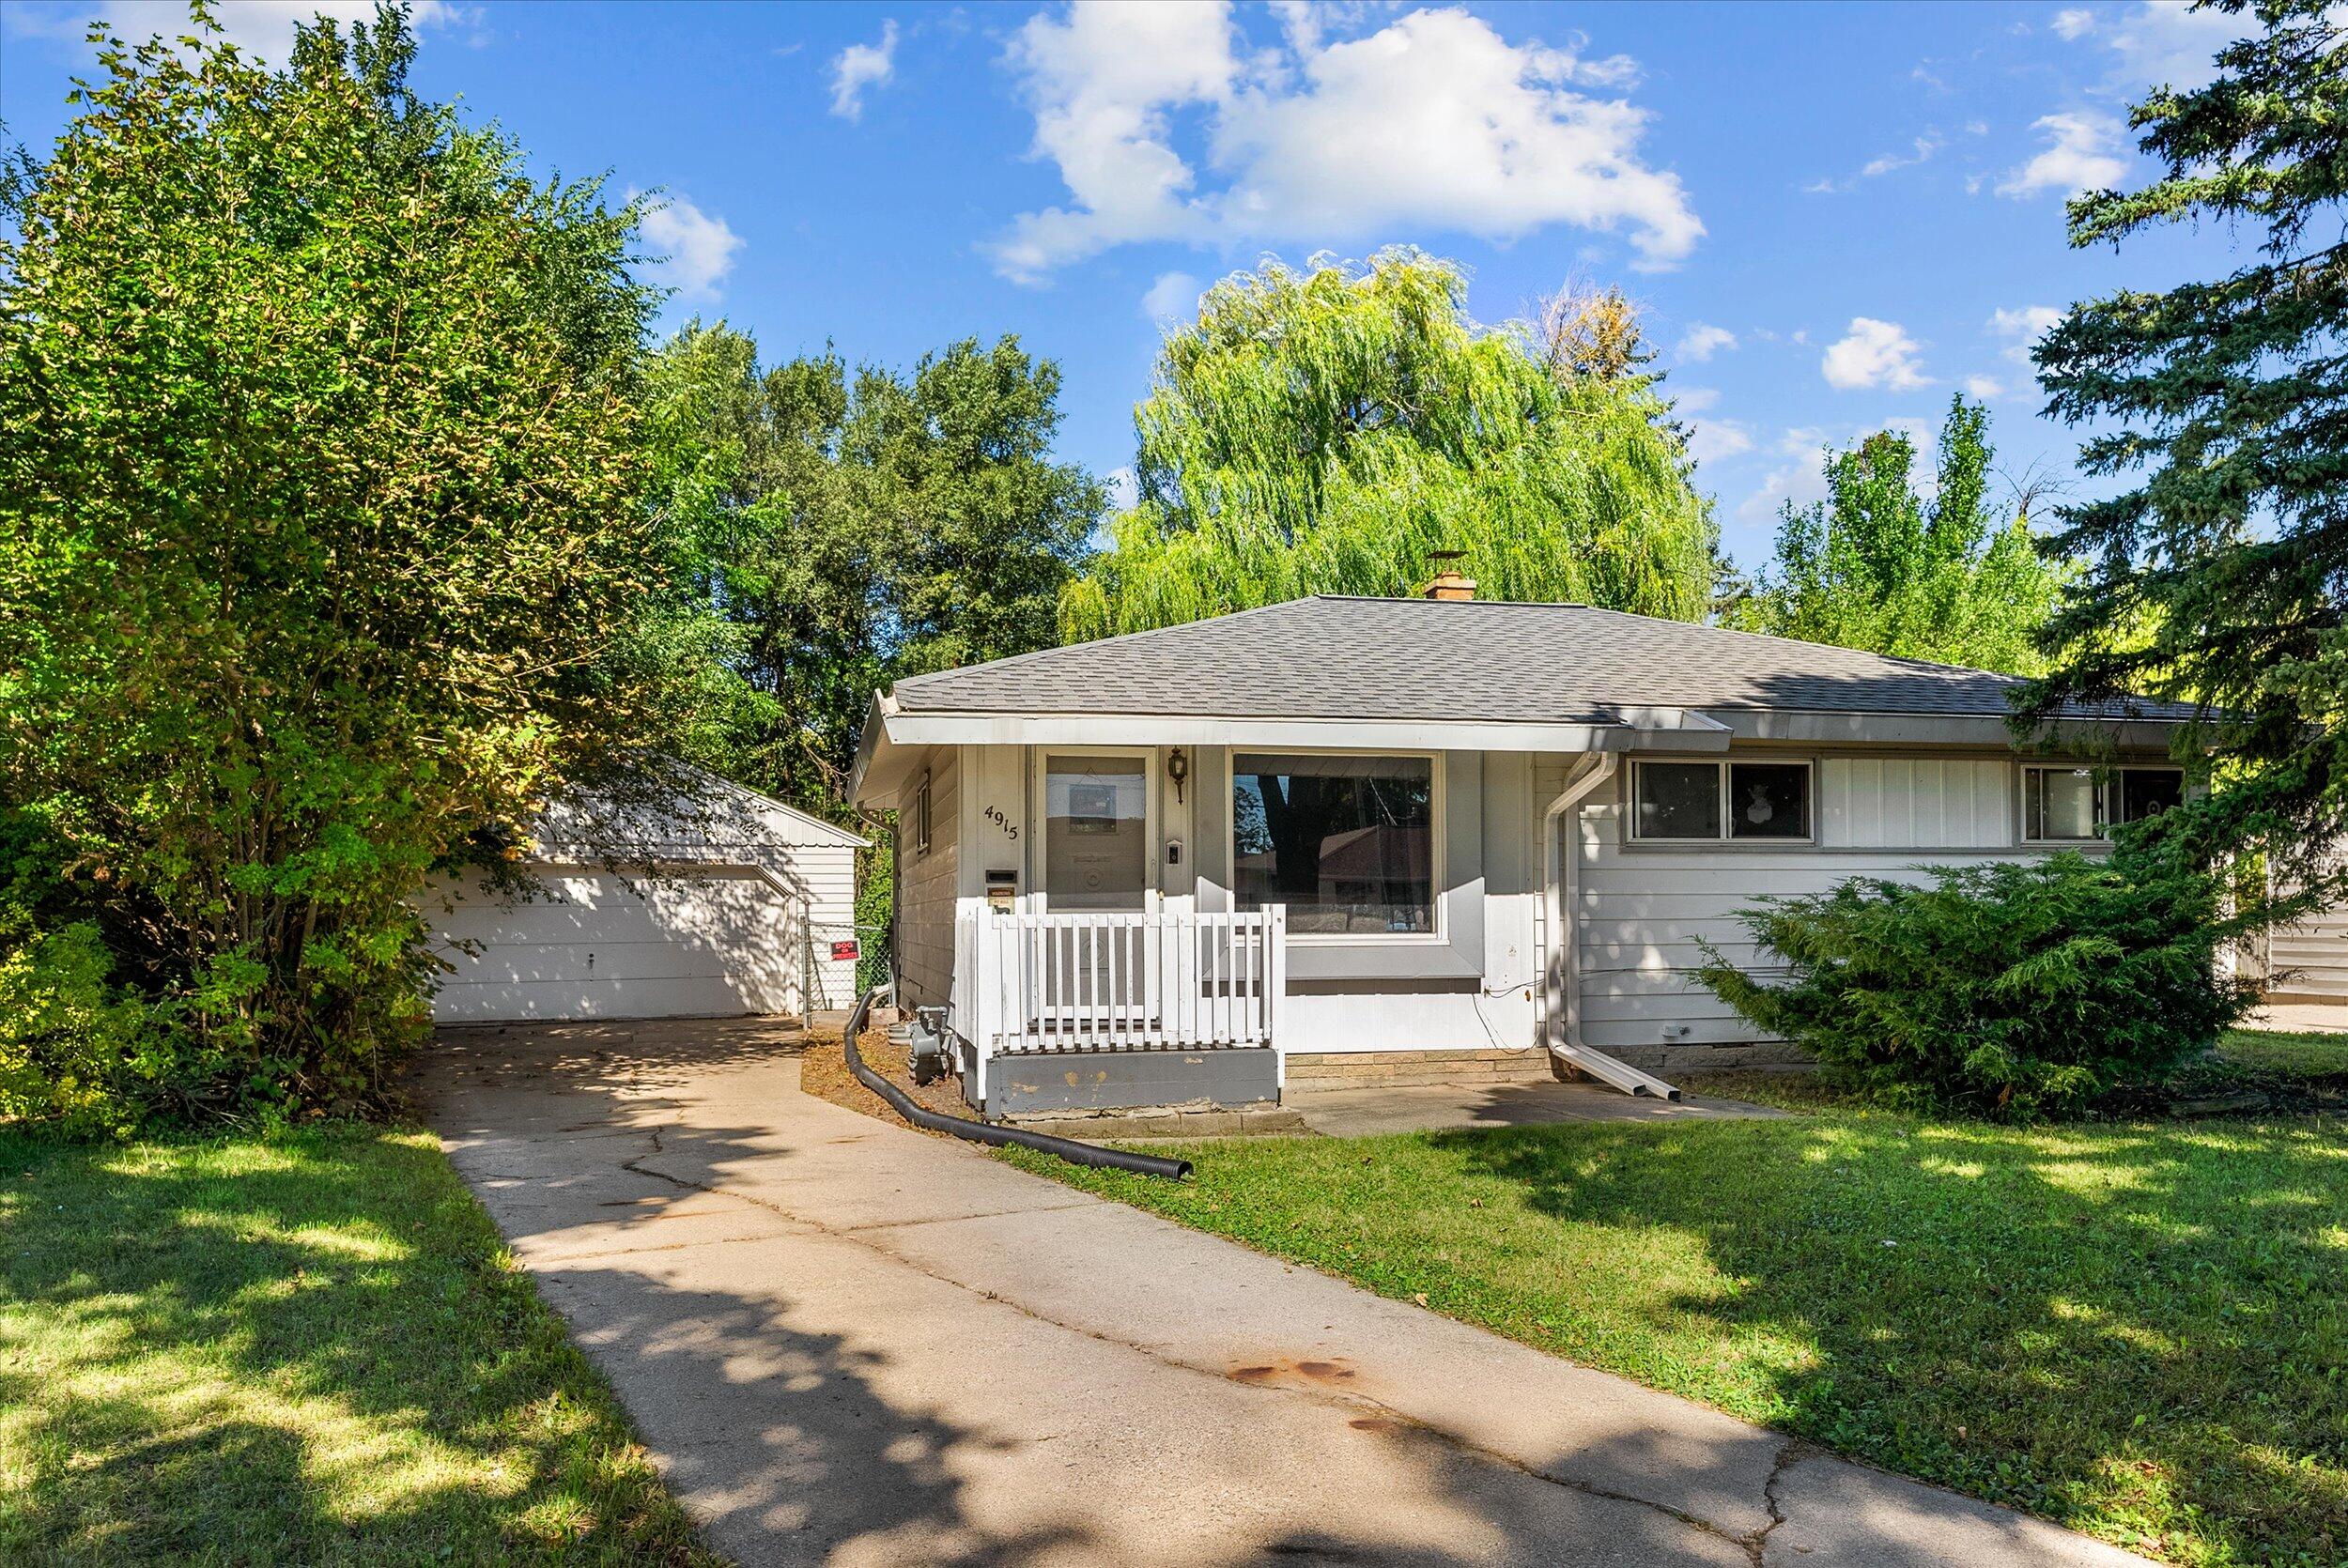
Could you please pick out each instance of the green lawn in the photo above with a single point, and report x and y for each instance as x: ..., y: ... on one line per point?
x: 2140, y: 1330
x: 2313, y: 1058
x: 309, y: 1347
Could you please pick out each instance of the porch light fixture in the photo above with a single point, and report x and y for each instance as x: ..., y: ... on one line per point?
x: 1177, y: 769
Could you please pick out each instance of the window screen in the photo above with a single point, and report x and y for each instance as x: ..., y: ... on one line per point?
x: 1768, y: 800
x: 2060, y: 804
x: 1678, y: 800
x: 2149, y: 792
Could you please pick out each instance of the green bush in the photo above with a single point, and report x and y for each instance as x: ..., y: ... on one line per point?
x: 2021, y: 988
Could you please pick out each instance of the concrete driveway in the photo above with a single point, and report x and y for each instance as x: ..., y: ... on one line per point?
x: 846, y: 1342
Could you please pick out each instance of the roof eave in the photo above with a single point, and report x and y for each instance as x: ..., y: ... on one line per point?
x: 1641, y: 728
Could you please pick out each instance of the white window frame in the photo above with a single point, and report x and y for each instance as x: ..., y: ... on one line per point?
x: 921, y: 816
x: 1436, y: 830
x: 1722, y: 767
x: 2107, y: 781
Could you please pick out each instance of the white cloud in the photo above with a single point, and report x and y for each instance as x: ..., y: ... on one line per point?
x: 2165, y: 43
x: 1123, y: 487
x: 1433, y: 121
x: 697, y: 248
x: 1920, y: 150
x: 2021, y: 327
x: 1801, y: 483
x: 860, y: 66
x: 1924, y: 145
x: 1701, y: 341
x: 2073, y: 22
x: 1174, y: 298
x: 1710, y: 440
x: 2081, y: 155
x: 1982, y: 387
x: 1873, y: 354
x: 260, y: 27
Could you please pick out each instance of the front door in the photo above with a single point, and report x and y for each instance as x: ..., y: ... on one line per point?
x: 1096, y: 861
x: 1096, y: 833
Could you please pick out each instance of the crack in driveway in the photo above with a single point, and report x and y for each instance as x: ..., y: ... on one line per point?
x: 862, y: 1235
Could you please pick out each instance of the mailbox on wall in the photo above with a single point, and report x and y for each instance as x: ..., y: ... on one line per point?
x: 1002, y: 891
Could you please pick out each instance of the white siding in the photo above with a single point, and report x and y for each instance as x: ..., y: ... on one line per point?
x: 826, y: 875
x: 1921, y: 802
x: 2311, y: 958
x: 1641, y: 912
x: 927, y: 886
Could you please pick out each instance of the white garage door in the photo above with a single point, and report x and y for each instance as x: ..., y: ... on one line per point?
x: 712, y: 944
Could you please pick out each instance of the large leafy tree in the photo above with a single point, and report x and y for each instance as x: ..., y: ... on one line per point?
x: 1878, y: 565
x: 852, y: 526
x: 321, y: 559
x: 1328, y: 430
x: 2218, y: 564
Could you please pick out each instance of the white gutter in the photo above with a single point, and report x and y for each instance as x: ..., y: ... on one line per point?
x: 1198, y: 730
x: 1562, y: 977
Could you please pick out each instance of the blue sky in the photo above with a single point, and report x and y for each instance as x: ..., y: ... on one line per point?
x: 1834, y: 216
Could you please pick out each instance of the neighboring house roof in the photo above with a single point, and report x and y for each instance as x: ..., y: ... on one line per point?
x: 718, y: 814
x: 1474, y: 661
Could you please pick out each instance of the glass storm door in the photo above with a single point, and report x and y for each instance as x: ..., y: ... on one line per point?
x: 1096, y: 834
x: 1096, y: 861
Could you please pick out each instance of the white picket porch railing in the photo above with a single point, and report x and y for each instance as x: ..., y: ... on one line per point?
x: 1030, y: 982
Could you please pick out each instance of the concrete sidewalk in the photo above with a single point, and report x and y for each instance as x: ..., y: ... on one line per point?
x: 846, y: 1342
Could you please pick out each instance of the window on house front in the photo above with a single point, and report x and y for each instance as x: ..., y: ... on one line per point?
x: 2149, y: 792
x: 1346, y: 843
x: 2062, y: 805
x: 2075, y: 805
x: 921, y: 816
x: 1706, y: 802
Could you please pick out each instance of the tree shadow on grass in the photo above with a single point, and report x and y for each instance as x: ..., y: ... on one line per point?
x: 2131, y: 1329
x: 309, y: 1349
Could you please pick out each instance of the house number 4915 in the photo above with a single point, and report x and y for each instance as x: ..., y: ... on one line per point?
x: 1011, y: 829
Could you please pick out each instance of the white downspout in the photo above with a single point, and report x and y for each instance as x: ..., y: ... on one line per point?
x: 1563, y: 973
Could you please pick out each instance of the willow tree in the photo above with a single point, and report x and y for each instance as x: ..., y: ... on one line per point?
x: 1328, y: 431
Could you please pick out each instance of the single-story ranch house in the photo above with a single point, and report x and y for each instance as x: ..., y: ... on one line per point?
x: 1178, y: 865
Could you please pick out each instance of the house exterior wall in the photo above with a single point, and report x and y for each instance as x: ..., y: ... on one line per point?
x: 1639, y: 909
x: 927, y: 883
x: 2309, y: 959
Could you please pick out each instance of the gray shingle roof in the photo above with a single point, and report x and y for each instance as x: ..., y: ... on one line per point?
x: 1473, y: 661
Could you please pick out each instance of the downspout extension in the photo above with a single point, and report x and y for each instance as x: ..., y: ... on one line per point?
x: 986, y: 1132
x: 1563, y: 975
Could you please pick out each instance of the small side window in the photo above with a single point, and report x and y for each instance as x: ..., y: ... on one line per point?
x: 921, y: 816
x: 1768, y: 800
x: 2061, y: 805
x: 2149, y: 792
x: 1677, y: 800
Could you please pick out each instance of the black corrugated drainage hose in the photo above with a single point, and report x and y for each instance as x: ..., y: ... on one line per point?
x: 987, y: 1132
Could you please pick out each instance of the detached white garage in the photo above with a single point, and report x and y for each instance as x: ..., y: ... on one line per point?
x: 738, y: 908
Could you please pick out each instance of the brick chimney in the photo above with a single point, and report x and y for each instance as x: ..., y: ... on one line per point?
x: 1448, y: 582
